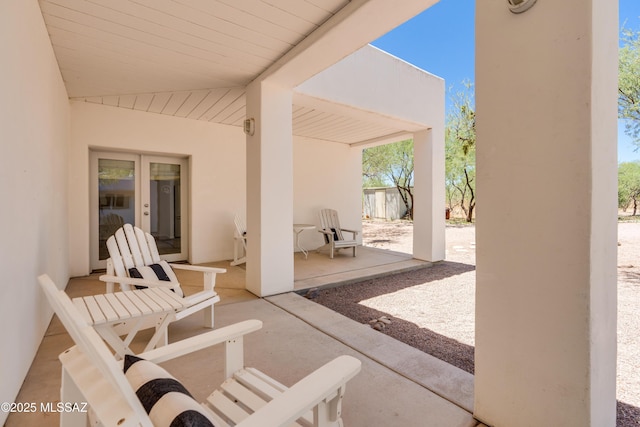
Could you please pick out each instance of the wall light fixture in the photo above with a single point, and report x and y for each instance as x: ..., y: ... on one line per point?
x: 249, y: 126
x: 519, y: 6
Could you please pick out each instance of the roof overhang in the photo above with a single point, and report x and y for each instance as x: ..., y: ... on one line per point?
x: 197, y: 58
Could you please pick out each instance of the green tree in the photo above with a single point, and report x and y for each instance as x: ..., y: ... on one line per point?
x: 460, y: 151
x: 629, y: 185
x: 391, y: 164
x: 629, y: 84
x: 374, y: 163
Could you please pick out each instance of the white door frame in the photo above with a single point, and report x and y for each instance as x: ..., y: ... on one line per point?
x: 142, y: 197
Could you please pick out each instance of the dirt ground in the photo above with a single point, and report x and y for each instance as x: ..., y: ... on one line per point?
x: 434, y: 309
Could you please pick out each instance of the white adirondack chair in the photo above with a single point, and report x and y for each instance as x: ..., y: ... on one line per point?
x: 333, y: 233
x: 130, y: 248
x: 239, y: 241
x: 248, y: 398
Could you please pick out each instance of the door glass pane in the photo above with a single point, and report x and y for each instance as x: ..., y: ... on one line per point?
x: 116, y: 198
x: 164, y: 211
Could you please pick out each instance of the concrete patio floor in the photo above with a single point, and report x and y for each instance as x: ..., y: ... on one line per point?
x: 398, y: 385
x: 318, y: 270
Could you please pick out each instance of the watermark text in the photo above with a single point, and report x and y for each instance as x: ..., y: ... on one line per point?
x: 25, y: 407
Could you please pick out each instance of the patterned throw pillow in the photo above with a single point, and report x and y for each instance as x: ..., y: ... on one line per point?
x: 337, y: 235
x: 160, y: 271
x: 165, y: 399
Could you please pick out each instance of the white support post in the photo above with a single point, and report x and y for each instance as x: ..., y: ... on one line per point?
x: 546, y: 85
x: 429, y: 195
x: 269, y: 190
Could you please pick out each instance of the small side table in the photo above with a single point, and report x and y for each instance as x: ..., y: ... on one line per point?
x: 108, y: 311
x: 299, y: 228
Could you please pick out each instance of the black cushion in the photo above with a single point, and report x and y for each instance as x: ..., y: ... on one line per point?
x: 164, y: 398
x: 157, y: 270
x: 337, y: 235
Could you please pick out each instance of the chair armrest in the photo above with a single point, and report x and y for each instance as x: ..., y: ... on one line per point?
x: 199, y: 342
x: 322, y: 384
x: 328, y: 233
x: 200, y: 296
x: 200, y: 268
x: 137, y: 282
x: 355, y: 233
x: 209, y: 281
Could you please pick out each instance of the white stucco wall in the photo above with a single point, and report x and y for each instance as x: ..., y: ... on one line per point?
x: 391, y: 87
x: 400, y: 95
x: 326, y: 175
x: 217, y: 169
x: 34, y: 129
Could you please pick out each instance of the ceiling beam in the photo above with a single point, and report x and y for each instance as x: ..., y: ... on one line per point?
x: 357, y: 24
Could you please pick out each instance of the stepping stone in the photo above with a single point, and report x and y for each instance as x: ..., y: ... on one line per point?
x: 378, y: 326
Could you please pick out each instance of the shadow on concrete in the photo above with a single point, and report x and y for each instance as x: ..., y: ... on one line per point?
x: 346, y: 301
x: 628, y: 275
x: 627, y: 415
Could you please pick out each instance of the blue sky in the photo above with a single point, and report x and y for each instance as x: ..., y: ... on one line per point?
x: 441, y: 41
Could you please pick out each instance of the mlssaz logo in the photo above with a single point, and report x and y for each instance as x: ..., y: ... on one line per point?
x: 63, y: 407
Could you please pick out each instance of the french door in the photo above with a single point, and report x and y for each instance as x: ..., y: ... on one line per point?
x: 147, y: 191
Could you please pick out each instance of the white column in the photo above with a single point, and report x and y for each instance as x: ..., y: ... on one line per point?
x: 429, y: 195
x: 546, y: 83
x: 269, y: 190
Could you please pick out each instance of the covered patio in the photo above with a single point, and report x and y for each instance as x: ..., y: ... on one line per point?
x: 297, y: 337
x: 317, y: 270
x: 181, y: 77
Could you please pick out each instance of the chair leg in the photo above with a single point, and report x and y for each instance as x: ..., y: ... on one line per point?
x: 161, y: 336
x: 208, y: 317
x: 238, y: 258
x: 354, y: 251
x: 328, y: 413
x: 69, y: 392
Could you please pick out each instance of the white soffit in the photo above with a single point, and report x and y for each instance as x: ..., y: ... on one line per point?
x: 193, y: 58
x: 221, y: 105
x: 312, y: 118
x: 115, y: 47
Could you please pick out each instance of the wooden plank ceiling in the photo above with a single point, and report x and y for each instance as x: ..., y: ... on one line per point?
x: 188, y: 58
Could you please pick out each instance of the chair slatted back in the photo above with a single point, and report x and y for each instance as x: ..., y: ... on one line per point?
x: 329, y: 221
x: 122, y: 249
x: 131, y: 247
x: 92, y: 346
x: 154, y: 255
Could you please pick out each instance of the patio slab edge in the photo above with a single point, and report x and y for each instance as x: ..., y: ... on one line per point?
x: 359, y: 275
x: 443, y: 379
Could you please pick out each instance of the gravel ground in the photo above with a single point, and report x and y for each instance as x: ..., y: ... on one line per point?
x: 443, y: 324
